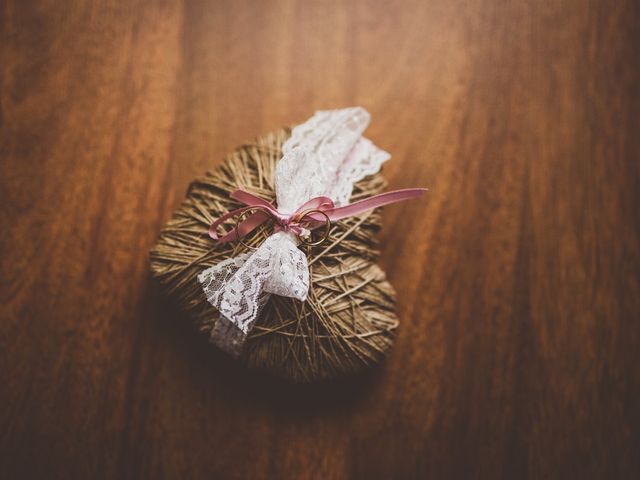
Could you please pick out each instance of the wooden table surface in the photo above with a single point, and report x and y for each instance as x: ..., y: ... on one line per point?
x: 518, y: 276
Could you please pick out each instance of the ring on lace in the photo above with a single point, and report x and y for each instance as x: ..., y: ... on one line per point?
x: 250, y: 211
x: 327, y: 224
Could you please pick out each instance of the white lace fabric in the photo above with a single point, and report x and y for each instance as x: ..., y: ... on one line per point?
x: 324, y: 156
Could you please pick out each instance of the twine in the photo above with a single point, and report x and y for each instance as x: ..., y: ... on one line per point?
x: 348, y: 322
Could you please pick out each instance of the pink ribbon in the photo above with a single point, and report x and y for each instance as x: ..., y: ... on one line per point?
x: 293, y: 222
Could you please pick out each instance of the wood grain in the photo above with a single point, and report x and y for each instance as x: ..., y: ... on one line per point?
x: 519, y: 285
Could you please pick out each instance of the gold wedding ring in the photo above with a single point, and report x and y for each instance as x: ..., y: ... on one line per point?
x: 249, y: 211
x: 327, y: 222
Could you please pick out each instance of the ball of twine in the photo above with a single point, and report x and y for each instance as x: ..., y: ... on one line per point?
x: 348, y: 321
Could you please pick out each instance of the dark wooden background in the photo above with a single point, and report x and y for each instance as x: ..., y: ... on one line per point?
x: 518, y: 282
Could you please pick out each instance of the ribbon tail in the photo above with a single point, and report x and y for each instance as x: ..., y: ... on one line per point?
x: 376, y: 201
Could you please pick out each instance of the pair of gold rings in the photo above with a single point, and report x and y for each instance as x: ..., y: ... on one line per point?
x: 299, y: 218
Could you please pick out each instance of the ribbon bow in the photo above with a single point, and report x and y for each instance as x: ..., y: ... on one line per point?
x: 301, y: 220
